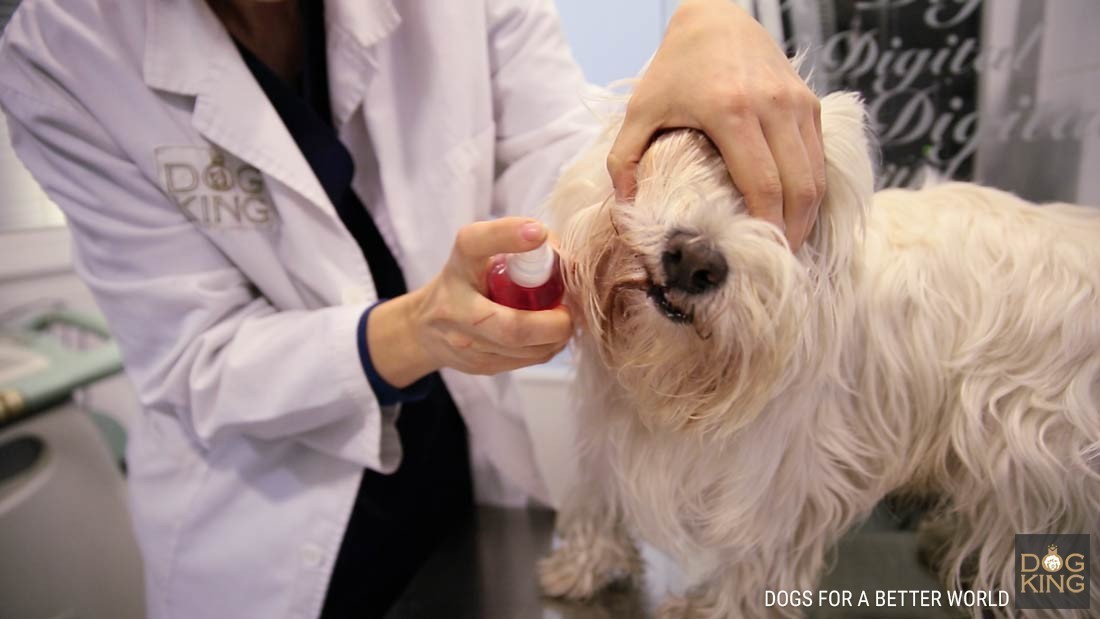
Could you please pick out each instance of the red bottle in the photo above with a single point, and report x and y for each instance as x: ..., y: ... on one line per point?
x: 528, y: 281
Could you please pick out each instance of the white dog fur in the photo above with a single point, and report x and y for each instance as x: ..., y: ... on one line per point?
x: 942, y: 344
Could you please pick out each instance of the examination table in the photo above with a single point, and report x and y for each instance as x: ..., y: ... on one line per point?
x: 487, y: 571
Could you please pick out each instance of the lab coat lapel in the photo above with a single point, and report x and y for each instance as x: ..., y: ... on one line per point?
x: 364, y: 83
x: 230, y: 108
x: 354, y: 28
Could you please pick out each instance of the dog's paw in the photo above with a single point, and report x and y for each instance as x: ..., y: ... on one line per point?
x: 587, y: 561
x: 691, y: 607
x: 698, y: 605
x: 675, y: 607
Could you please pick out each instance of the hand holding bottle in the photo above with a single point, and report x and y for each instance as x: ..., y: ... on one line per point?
x: 450, y: 322
x: 529, y: 280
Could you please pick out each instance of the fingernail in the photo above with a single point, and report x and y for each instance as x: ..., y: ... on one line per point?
x: 533, y: 231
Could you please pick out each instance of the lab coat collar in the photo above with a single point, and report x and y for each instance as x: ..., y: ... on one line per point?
x: 183, y: 36
x: 189, y: 52
x: 180, y: 36
x: 354, y: 28
x: 366, y: 22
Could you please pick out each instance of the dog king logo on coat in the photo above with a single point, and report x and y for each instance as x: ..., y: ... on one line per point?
x: 214, y: 189
x: 1052, y: 571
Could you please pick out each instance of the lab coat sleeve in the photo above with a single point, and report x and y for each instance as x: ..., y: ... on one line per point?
x: 198, y: 339
x: 544, y: 111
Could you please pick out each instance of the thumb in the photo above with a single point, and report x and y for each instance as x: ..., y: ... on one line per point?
x: 626, y: 152
x: 484, y: 239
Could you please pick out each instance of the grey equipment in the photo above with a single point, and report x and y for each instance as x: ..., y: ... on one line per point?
x: 66, y: 541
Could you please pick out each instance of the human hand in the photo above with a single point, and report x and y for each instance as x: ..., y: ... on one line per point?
x: 719, y: 71
x: 450, y: 323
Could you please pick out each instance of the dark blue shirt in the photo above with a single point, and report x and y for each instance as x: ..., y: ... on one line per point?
x: 398, y: 519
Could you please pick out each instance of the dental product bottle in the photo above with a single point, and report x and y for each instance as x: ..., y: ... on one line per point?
x: 528, y: 281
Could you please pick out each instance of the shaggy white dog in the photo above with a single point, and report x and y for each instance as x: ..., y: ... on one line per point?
x: 743, y: 406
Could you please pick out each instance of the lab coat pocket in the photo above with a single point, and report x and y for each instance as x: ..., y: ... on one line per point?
x: 467, y: 170
x: 453, y: 191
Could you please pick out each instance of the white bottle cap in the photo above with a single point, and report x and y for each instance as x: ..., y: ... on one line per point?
x: 531, y: 269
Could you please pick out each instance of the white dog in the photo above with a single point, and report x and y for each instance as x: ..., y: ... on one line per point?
x: 743, y: 406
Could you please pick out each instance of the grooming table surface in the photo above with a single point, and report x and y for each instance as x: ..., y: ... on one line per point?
x: 487, y: 571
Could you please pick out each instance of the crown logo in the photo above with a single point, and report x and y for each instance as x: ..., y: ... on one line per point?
x: 1052, y: 562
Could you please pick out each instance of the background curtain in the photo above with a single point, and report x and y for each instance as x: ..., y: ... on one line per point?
x: 1006, y: 93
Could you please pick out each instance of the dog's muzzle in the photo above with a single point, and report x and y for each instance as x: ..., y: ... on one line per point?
x: 692, y: 265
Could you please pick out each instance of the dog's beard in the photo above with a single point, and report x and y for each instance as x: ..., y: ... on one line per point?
x: 708, y: 362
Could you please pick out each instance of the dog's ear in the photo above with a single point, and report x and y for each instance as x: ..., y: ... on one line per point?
x: 849, y: 178
x: 584, y: 182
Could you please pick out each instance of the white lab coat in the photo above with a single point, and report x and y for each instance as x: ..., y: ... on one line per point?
x: 229, y: 280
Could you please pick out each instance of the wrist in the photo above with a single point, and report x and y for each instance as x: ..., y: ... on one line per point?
x: 393, y: 338
x: 691, y: 8
x: 692, y: 18
x: 693, y: 15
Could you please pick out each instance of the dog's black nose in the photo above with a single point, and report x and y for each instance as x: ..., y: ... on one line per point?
x: 693, y: 265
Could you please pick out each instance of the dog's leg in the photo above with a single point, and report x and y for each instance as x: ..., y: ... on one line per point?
x: 1017, y: 468
x: 987, y: 567
x: 592, y: 554
x: 594, y: 548
x: 737, y: 590
x: 721, y: 599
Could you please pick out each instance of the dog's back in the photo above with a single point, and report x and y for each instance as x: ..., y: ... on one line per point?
x: 982, y: 332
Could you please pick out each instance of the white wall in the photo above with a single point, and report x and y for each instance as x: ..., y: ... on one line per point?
x: 613, y: 39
